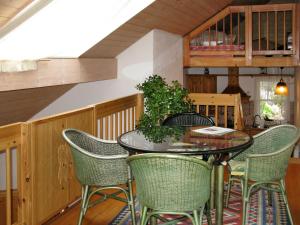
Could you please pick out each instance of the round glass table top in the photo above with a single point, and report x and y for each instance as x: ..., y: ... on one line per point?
x: 188, y: 141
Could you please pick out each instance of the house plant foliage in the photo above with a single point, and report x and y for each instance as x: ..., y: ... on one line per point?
x: 161, y: 100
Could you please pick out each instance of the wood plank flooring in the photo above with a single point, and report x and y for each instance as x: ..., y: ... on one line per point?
x: 104, y: 213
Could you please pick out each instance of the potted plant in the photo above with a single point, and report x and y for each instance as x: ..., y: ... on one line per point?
x: 161, y: 100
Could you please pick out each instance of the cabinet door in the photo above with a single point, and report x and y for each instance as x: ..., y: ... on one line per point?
x: 202, y: 83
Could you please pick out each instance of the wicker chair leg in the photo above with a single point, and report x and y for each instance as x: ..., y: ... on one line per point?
x: 228, y: 191
x: 269, y: 196
x: 131, y: 204
x: 283, y: 191
x: 207, y: 213
x: 83, y: 203
x: 197, y: 217
x: 144, y: 216
x: 245, y: 202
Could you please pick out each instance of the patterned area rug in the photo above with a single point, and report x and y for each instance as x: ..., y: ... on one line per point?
x: 260, y: 213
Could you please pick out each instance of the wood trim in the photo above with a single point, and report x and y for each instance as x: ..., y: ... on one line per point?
x: 216, y: 53
x: 272, y: 7
x: 60, y: 71
x: 257, y: 61
x: 209, y: 22
x: 273, y: 52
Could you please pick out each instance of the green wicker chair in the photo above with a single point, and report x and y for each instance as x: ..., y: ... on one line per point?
x: 264, y: 163
x: 99, y: 165
x: 171, y: 184
x: 188, y: 119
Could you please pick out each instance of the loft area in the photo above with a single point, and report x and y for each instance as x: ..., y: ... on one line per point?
x: 245, y: 36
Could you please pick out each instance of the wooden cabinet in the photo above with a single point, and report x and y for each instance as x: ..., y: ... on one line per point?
x: 201, y: 83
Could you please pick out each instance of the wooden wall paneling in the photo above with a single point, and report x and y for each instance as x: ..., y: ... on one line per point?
x: 21, y: 105
x: 49, y: 170
x: 83, y: 121
x: 297, y: 33
x: 26, y: 184
x: 60, y: 71
x: 52, y: 170
x: 292, y: 183
x: 297, y: 97
x: 202, y: 83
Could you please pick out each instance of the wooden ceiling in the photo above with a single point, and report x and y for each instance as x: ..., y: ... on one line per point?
x: 174, y: 16
x: 9, y: 8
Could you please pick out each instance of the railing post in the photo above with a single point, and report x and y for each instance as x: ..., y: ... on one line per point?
x: 139, y: 107
x: 8, y: 186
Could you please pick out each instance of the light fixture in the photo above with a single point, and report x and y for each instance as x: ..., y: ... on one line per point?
x: 281, y: 87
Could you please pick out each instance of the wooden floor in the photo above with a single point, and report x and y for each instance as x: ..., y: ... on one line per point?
x: 103, y: 213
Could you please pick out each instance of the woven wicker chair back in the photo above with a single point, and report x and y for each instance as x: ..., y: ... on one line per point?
x: 270, y: 153
x: 188, y: 119
x: 92, y: 163
x: 168, y: 182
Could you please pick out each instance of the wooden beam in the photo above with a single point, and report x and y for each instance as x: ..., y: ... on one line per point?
x: 60, y: 71
x: 297, y: 97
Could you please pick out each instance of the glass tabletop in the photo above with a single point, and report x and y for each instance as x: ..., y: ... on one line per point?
x: 187, y: 141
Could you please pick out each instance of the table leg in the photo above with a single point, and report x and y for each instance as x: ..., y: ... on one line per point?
x: 219, y: 197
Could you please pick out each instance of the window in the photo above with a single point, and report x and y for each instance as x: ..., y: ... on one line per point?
x: 269, y: 105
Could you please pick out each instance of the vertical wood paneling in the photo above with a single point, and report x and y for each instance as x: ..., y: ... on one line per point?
x: 8, y: 186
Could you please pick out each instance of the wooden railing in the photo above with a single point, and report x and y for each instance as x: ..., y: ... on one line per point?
x: 222, y: 107
x: 45, y: 178
x: 10, y: 139
x: 242, y: 35
x: 46, y: 183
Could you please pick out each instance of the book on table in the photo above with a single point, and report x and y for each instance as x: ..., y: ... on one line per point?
x: 214, y: 130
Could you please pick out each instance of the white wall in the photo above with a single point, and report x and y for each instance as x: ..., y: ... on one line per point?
x: 134, y: 64
x: 167, y: 55
x: 158, y: 52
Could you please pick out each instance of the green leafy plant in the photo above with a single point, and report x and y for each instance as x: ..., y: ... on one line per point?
x: 161, y: 100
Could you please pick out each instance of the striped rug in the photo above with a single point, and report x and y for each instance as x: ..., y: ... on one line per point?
x: 260, y: 213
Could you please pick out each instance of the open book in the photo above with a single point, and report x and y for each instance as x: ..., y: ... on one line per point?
x: 214, y: 130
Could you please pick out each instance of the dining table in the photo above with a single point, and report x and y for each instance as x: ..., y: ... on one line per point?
x: 191, y: 141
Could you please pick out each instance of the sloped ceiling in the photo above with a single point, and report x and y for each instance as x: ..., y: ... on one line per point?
x: 175, y: 16
x: 9, y: 8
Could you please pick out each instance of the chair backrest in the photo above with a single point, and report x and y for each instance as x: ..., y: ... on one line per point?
x: 170, y: 182
x: 188, y: 119
x: 271, y: 164
x: 270, y: 140
x: 94, y: 161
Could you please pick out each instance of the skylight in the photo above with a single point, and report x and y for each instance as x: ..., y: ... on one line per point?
x: 66, y: 29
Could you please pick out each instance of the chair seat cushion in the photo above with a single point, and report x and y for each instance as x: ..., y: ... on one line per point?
x: 237, y: 167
